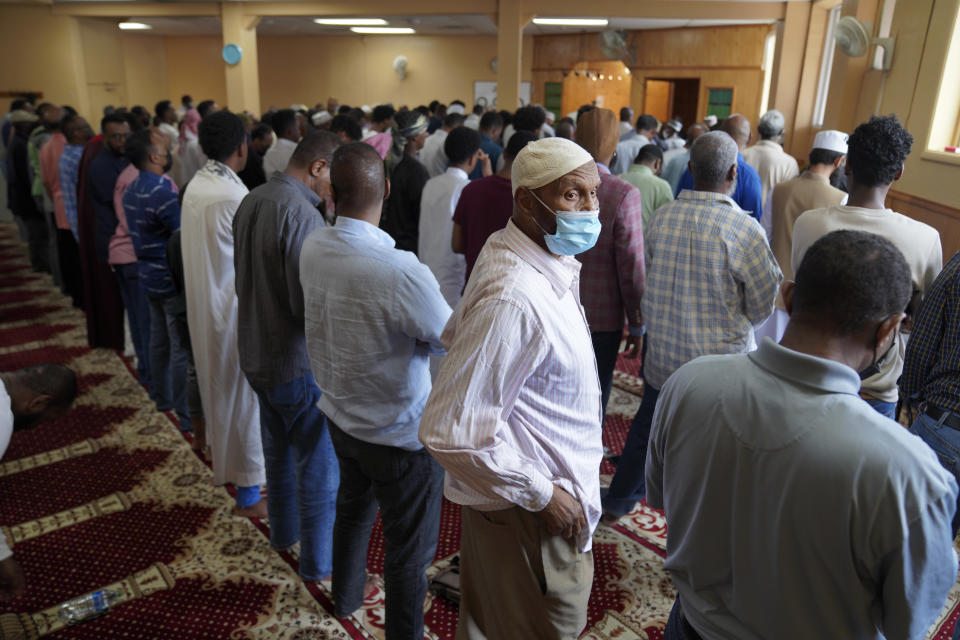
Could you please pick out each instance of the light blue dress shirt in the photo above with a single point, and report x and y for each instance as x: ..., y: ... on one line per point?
x: 373, y: 314
x: 794, y: 509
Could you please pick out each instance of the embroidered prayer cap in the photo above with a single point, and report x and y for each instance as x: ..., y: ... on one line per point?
x: 543, y: 161
x: 831, y: 140
x: 321, y: 118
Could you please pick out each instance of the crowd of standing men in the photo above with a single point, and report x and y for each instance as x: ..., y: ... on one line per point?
x: 368, y: 309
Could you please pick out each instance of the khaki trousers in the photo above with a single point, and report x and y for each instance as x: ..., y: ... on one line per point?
x: 518, y: 581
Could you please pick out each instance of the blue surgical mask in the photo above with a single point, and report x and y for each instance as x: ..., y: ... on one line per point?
x: 577, y: 231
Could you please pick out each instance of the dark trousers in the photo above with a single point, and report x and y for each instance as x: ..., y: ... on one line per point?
x: 52, y: 251
x: 180, y: 327
x: 68, y: 254
x: 628, y: 486
x: 677, y: 626
x: 606, y: 346
x: 408, y: 486
x: 38, y: 242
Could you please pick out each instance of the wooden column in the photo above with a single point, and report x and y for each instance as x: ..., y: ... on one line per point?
x: 510, y: 24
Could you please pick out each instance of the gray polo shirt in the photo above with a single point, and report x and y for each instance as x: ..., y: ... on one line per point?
x: 268, y: 231
x: 794, y: 509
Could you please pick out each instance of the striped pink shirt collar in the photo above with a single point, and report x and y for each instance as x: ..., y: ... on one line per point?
x: 562, y: 272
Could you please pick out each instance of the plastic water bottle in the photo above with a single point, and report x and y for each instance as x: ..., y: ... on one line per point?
x: 89, y: 606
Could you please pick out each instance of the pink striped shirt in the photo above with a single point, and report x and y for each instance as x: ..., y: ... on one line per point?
x: 515, y: 407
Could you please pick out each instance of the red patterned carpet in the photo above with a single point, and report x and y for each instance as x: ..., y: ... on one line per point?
x: 112, y: 496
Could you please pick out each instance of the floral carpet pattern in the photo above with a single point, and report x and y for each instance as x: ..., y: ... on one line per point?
x: 112, y: 496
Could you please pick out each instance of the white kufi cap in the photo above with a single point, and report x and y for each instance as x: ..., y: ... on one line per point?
x: 831, y: 141
x: 543, y: 161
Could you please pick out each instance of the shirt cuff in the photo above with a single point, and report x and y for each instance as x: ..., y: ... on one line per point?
x: 538, y: 495
x: 638, y: 331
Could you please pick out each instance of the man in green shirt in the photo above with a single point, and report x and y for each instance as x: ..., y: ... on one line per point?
x: 643, y: 174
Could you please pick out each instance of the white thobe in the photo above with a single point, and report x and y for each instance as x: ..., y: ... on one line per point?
x: 6, y: 430
x: 192, y: 160
x: 278, y: 157
x: 432, y: 155
x: 229, y: 404
x: 773, y: 165
x: 437, y: 204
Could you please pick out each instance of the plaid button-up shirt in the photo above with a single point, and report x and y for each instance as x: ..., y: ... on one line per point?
x: 612, y: 277
x: 68, y: 169
x: 711, y: 279
x: 931, y: 370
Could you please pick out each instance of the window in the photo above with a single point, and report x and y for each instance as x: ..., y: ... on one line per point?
x: 826, y: 68
x: 945, y: 129
x: 719, y: 102
x: 769, y: 49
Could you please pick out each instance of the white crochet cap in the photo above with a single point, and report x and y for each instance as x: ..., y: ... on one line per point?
x: 455, y: 108
x: 543, y: 161
x: 320, y: 118
x: 831, y: 141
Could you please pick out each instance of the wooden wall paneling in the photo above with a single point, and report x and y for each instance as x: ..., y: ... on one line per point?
x: 941, y: 217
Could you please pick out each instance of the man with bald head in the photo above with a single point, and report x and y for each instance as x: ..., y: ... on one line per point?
x: 373, y: 315
x: 748, y: 190
x: 514, y: 417
x: 711, y: 280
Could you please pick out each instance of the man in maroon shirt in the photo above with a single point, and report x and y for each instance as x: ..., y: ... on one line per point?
x: 486, y: 205
x: 612, y: 278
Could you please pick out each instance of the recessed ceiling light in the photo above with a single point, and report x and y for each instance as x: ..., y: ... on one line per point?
x: 571, y: 22
x: 133, y: 26
x: 383, y: 30
x: 352, y: 22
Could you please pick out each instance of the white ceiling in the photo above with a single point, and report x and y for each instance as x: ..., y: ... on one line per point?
x: 424, y: 25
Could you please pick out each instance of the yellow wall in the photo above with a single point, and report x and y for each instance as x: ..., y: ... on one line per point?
x: 39, y: 54
x: 358, y: 70
x: 145, y: 70
x: 194, y: 67
x: 86, y: 63
x: 103, y: 61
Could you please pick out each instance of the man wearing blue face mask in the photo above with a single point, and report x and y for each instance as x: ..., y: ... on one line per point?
x: 514, y: 415
x: 711, y: 280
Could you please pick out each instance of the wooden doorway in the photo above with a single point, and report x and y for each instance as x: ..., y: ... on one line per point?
x: 666, y: 98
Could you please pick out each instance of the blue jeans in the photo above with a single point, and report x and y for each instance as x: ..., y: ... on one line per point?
x: 168, y: 358
x: 408, y: 486
x: 628, y: 486
x: 888, y: 409
x: 606, y: 346
x: 302, y: 473
x: 138, y: 313
x: 945, y: 442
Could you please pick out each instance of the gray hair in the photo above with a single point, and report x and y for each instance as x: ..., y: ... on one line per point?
x: 771, y: 124
x: 711, y: 156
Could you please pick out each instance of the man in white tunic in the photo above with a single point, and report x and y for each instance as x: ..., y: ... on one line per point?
x: 437, y: 204
x: 229, y: 404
